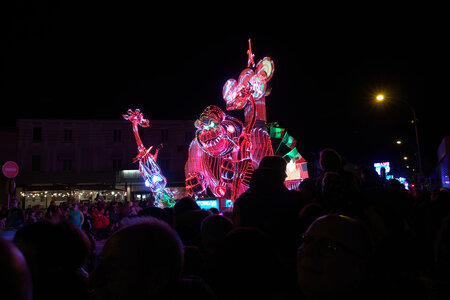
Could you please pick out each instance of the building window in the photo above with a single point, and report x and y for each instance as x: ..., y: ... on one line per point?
x: 67, y: 165
x: 164, y: 135
x: 117, y: 136
x: 117, y: 164
x: 37, y: 134
x: 67, y: 135
x: 35, y: 163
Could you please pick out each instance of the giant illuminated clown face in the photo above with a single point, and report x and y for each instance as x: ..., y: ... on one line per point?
x: 216, y: 131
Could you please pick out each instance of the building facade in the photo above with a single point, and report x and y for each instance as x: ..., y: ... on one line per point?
x: 85, y: 159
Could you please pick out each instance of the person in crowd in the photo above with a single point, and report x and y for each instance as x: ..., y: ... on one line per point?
x: 213, y: 229
x: 250, y: 268
x: 16, y: 215
x: 269, y: 206
x: 100, y: 222
x: 15, y: 278
x: 51, y: 210
x: 338, y: 188
x: 3, y: 215
x: 75, y: 215
x: 188, y: 226
x: 133, y: 211
x: 156, y: 212
x: 56, y: 252
x: 136, y: 206
x: 31, y: 218
x: 308, y: 214
x: 143, y: 260
x: 105, y: 222
x: 87, y: 224
x: 114, y: 219
x: 39, y: 215
x: 185, y: 204
x: 333, y: 260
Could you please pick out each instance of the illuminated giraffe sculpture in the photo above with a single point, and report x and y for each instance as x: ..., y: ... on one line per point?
x: 147, y: 162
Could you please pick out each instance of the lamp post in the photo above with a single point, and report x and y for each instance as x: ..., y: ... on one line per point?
x: 381, y: 98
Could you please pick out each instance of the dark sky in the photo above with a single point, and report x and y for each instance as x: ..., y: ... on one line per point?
x: 98, y: 61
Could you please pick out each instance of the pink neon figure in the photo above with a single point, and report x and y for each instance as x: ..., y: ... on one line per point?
x: 147, y: 161
x: 243, y: 94
x: 214, y: 161
x: 225, y: 153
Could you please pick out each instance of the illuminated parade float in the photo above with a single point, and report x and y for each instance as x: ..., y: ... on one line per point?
x: 226, y: 151
x: 148, y: 167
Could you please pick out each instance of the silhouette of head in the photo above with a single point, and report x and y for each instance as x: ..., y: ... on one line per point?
x: 275, y: 163
x: 15, y: 279
x: 270, y: 174
x: 214, y: 228
x: 140, y: 261
x: 333, y: 257
x: 51, y: 246
x: 156, y: 212
x: 330, y: 160
x: 185, y: 204
x: 55, y: 252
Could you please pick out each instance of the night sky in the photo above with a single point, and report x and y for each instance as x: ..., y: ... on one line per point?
x: 95, y: 62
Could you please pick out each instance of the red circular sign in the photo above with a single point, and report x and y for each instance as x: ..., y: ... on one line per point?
x: 10, y: 169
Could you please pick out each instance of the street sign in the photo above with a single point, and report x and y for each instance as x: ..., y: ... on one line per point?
x: 10, y: 169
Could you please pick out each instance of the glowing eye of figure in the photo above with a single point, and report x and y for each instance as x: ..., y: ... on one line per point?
x: 212, y: 124
x: 230, y: 128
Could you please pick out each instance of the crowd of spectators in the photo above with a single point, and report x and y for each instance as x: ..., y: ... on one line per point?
x: 99, y: 218
x: 345, y: 234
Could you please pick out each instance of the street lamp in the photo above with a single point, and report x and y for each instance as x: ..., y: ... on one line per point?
x: 380, y: 98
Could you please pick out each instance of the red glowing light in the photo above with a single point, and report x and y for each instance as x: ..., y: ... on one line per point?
x: 250, y: 60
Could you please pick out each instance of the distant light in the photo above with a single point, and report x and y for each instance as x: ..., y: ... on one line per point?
x: 398, y: 142
x: 405, y: 157
x: 290, y: 166
x: 380, y: 165
x: 380, y: 97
